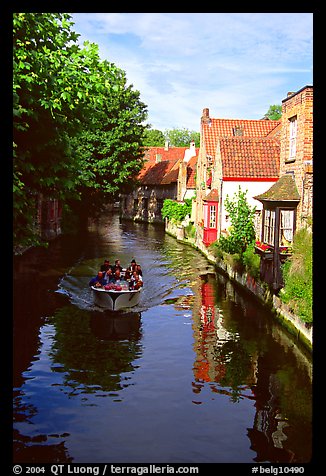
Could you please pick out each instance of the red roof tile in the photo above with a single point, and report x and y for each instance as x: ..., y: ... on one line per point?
x: 191, y: 172
x: 250, y: 157
x: 162, y: 166
x: 231, y: 128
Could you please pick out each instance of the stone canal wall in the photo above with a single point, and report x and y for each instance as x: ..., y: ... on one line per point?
x: 280, y: 310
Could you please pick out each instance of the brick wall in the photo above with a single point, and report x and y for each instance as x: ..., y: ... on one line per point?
x: 299, y: 105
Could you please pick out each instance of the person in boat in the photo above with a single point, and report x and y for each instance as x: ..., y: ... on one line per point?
x: 132, y: 266
x: 117, y: 265
x: 117, y: 278
x: 106, y: 265
x: 139, y: 270
x: 136, y: 281
x: 98, y: 280
x: 109, y: 277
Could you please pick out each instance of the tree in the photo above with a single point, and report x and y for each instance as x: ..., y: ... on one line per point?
x: 154, y: 138
x: 182, y: 137
x: 242, y: 230
x: 274, y: 112
x: 62, y: 92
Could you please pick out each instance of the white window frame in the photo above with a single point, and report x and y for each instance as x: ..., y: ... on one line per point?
x: 212, y: 216
x: 286, y: 227
x: 269, y: 226
x: 293, y: 137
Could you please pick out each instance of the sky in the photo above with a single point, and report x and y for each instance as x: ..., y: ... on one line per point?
x: 235, y: 64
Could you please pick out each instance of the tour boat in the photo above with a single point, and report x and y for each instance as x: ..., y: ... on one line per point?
x: 115, y: 300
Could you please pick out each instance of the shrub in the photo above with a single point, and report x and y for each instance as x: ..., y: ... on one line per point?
x: 176, y: 211
x: 297, y: 275
x: 242, y: 231
x: 251, y: 261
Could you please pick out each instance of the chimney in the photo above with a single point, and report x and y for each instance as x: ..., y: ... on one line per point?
x: 166, y: 146
x: 191, y: 152
x: 290, y: 93
x: 205, y: 119
x: 158, y: 158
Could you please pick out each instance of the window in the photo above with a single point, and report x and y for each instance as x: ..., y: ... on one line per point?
x: 269, y: 227
x: 212, y: 216
x: 237, y: 131
x: 293, y: 138
x: 286, y: 227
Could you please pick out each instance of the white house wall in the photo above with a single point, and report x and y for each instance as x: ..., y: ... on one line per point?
x: 231, y: 187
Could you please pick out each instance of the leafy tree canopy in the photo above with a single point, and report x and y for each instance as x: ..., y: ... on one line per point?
x: 154, y: 138
x: 181, y: 137
x: 77, y: 125
x: 274, y: 112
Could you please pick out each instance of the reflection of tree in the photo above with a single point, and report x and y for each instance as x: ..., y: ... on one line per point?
x: 37, y: 450
x: 221, y: 356
x: 283, y: 415
x: 238, y: 367
x: 95, y: 360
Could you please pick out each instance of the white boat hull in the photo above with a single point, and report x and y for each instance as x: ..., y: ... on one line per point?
x: 115, y: 300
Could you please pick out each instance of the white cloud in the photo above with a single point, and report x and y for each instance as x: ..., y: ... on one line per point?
x: 237, y: 64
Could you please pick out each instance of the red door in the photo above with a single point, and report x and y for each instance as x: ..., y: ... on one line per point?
x: 210, y: 222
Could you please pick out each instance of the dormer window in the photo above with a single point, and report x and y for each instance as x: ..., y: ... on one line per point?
x: 238, y: 131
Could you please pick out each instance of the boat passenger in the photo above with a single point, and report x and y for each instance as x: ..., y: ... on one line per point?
x: 139, y: 270
x: 106, y: 265
x: 117, y: 276
x: 132, y: 265
x: 98, y: 280
x: 116, y: 266
x: 109, y: 278
x: 136, y: 281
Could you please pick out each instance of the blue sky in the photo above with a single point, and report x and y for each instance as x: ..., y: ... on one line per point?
x: 236, y: 64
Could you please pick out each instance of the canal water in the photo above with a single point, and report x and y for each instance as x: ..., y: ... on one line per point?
x: 196, y: 373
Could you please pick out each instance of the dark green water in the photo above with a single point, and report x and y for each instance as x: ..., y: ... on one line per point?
x: 197, y: 373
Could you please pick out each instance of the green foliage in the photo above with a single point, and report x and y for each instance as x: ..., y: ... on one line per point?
x: 251, y: 261
x: 77, y: 125
x: 190, y: 231
x: 274, y: 112
x: 181, y: 137
x: 242, y: 231
x: 176, y: 211
x: 154, y: 138
x: 297, y: 275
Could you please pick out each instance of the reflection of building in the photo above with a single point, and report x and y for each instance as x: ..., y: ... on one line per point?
x: 209, y: 334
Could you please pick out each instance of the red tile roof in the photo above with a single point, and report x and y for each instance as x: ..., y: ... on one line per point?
x: 166, y: 170
x: 230, y: 127
x: 250, y: 157
x: 191, y: 171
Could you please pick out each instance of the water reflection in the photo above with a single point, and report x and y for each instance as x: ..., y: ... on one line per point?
x: 197, y: 359
x: 251, y: 368
x: 95, y: 349
x: 220, y: 355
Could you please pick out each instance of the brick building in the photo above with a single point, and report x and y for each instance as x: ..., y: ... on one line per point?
x: 297, y: 147
x: 287, y: 205
x: 233, y: 153
x: 168, y: 173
